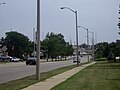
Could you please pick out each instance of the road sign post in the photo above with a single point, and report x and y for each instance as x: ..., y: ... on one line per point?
x: 4, y: 48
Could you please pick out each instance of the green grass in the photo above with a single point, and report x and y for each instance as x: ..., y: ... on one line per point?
x: 24, y: 82
x: 101, y: 76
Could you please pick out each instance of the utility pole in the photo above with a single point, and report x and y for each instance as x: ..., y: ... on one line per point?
x: 38, y: 42
x: 77, y: 37
x: 119, y: 20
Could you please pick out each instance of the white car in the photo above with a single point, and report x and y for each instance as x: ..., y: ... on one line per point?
x: 15, y: 59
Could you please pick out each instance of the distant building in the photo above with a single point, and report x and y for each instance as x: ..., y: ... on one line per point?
x: 117, y: 41
x: 81, y: 51
x: 0, y: 52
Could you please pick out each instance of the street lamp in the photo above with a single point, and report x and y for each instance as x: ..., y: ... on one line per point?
x: 34, y: 41
x: 93, y: 56
x: 119, y: 33
x: 76, y: 29
x: 87, y: 41
x: 38, y: 42
x: 2, y: 3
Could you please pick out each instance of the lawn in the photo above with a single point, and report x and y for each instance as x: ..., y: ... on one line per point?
x: 101, y: 76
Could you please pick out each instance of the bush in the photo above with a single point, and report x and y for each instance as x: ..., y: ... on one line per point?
x: 101, y: 59
x: 98, y: 55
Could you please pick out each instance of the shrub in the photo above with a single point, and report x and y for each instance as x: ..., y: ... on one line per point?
x: 101, y: 59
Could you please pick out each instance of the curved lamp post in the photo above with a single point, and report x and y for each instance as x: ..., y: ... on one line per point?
x: 87, y: 40
x: 2, y: 3
x: 93, y: 56
x: 76, y: 29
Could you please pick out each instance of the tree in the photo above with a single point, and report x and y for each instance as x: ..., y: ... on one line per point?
x: 2, y: 42
x: 55, y: 45
x: 117, y: 50
x: 84, y: 46
x: 68, y: 50
x: 102, y: 50
x: 17, y: 44
x: 108, y: 50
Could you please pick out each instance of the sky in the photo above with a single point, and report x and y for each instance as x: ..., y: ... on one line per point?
x: 99, y: 16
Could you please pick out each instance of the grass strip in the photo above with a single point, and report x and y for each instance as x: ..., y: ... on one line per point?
x: 29, y: 80
x: 101, y: 76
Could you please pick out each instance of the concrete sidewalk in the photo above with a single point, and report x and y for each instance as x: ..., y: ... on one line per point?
x: 55, y: 80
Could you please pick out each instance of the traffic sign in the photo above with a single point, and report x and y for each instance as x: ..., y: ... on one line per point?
x: 4, y: 48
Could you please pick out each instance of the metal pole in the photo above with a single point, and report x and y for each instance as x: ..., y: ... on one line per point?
x: 76, y: 36
x: 93, y: 55
x: 88, y: 44
x: 2, y: 3
x: 93, y: 45
x: 87, y: 41
x: 76, y: 29
x: 34, y: 40
x: 38, y: 42
x: 95, y: 41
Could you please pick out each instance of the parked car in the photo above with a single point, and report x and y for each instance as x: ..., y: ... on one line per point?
x: 117, y: 58
x: 15, y: 59
x: 4, y: 58
x: 31, y: 61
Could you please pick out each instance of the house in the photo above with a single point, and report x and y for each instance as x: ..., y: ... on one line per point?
x: 1, y: 52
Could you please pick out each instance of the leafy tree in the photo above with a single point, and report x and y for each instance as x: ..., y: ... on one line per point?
x: 102, y: 50
x: 68, y: 50
x: 84, y: 45
x: 17, y: 44
x: 99, y: 54
x: 106, y: 49
x: 55, y: 45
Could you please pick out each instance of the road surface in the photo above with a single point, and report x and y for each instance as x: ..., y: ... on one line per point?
x: 19, y: 70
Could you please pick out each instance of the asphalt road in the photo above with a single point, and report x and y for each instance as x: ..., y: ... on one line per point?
x: 18, y: 70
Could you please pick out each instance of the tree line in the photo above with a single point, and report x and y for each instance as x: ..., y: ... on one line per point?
x: 19, y: 45
x: 104, y: 49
